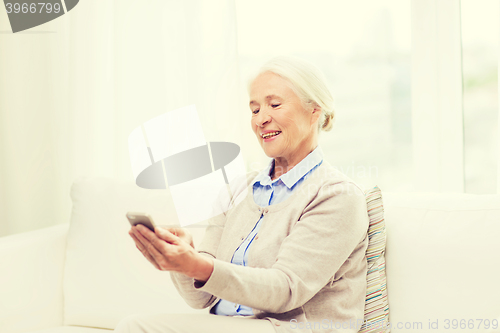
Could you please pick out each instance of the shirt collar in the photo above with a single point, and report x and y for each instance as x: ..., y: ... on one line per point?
x: 295, y: 174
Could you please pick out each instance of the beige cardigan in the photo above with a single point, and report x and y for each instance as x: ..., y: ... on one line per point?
x: 306, y: 267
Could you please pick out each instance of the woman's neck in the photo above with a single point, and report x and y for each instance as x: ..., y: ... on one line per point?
x: 282, y: 165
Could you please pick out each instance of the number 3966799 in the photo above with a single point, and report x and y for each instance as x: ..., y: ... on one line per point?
x: 32, y: 8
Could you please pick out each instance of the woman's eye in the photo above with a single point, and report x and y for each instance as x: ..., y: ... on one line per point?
x: 275, y: 105
x: 255, y: 111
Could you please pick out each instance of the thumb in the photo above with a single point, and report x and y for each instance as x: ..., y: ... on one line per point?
x: 167, y: 236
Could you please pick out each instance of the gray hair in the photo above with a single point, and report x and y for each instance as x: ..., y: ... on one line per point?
x: 308, y: 82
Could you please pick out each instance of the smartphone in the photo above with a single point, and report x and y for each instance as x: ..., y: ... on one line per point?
x: 141, y: 218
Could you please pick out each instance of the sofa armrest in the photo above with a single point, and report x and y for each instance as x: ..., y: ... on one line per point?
x: 32, y: 265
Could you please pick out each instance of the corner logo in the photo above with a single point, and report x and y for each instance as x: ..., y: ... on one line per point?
x: 25, y: 14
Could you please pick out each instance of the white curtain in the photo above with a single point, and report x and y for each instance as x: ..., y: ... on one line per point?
x: 73, y: 89
x: 437, y: 110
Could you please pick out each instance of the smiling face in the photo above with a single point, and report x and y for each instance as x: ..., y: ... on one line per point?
x: 284, y: 128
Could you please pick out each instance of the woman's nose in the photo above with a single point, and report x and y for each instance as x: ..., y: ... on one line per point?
x: 262, y: 119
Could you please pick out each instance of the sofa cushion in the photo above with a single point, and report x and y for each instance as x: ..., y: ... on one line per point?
x: 443, y: 255
x: 106, y: 277
x: 376, y: 304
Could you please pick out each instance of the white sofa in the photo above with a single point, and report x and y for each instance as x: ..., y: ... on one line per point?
x: 443, y: 262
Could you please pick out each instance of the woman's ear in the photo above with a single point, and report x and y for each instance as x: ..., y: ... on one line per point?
x: 316, y: 112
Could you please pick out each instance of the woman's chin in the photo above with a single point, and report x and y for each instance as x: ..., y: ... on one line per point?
x: 268, y: 152
x: 271, y: 153
x: 271, y: 149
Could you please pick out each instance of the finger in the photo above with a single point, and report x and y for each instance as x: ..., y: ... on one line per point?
x: 149, y: 239
x: 175, y: 230
x: 162, y: 246
x: 138, y: 244
x: 158, y: 257
x: 151, y: 260
x: 142, y: 235
x: 156, y: 251
x: 143, y: 246
x: 146, y: 235
x: 167, y: 235
x: 143, y: 230
x: 145, y: 252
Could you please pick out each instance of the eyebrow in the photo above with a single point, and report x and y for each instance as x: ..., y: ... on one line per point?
x: 268, y: 97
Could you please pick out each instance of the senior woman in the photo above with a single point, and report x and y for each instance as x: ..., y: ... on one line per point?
x: 290, y: 257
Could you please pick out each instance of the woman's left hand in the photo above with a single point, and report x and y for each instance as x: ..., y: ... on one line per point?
x: 168, y: 252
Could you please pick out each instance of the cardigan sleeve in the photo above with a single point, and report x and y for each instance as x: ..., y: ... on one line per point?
x: 184, y: 284
x: 330, y: 228
x: 194, y: 297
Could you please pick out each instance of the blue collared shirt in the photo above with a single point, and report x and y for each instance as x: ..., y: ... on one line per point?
x: 267, y: 192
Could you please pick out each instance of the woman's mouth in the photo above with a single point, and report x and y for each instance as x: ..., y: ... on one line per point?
x: 270, y: 136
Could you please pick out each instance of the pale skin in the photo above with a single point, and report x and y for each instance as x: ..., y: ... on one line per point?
x: 275, y: 107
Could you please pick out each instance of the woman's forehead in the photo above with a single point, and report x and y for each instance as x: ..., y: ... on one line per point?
x: 269, y: 85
